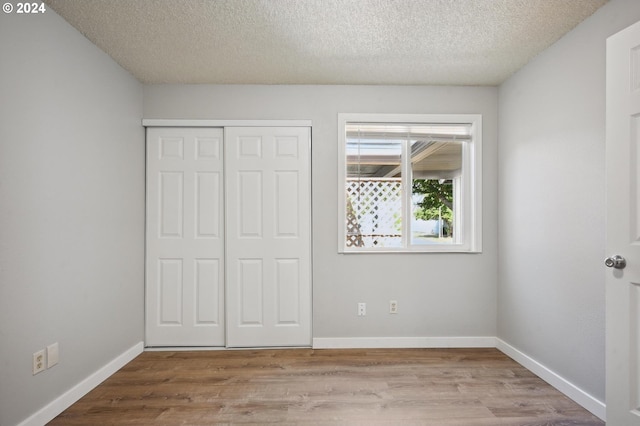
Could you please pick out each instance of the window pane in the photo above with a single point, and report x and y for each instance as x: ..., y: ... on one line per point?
x: 373, y: 189
x: 436, y: 168
x: 412, y: 182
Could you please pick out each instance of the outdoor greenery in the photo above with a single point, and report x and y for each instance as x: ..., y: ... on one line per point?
x: 437, y: 202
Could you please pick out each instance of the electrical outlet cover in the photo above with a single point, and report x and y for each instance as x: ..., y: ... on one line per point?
x: 362, y: 309
x: 38, y: 362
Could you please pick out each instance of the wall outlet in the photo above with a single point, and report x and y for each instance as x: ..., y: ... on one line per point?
x: 52, y: 355
x: 362, y: 309
x: 393, y: 306
x: 38, y: 362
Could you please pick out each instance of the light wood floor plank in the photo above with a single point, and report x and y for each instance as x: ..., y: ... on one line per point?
x: 444, y: 387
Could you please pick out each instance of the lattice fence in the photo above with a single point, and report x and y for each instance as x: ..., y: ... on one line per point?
x: 374, y: 212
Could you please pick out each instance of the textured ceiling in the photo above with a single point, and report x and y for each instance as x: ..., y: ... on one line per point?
x: 461, y: 42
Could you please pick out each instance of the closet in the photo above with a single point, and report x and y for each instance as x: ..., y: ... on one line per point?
x: 228, y: 236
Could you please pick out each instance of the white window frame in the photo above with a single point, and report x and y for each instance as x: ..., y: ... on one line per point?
x: 468, y: 204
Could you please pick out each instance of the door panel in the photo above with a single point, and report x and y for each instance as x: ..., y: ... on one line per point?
x: 185, y: 237
x: 250, y: 287
x: 208, y: 196
x: 288, y: 291
x: 268, y: 252
x: 623, y: 236
x: 249, y: 192
x: 170, y: 286
x: 286, y: 204
x: 208, y: 288
x: 170, y: 208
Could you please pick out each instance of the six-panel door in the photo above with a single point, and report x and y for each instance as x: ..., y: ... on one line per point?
x: 268, y: 255
x: 185, y: 237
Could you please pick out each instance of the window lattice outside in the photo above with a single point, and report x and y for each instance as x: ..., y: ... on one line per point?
x: 374, y: 212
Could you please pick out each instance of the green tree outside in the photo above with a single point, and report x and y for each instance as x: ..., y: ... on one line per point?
x: 437, y: 202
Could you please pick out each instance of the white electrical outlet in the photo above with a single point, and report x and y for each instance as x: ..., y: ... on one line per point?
x: 52, y: 355
x: 393, y: 306
x: 362, y: 309
x: 38, y: 361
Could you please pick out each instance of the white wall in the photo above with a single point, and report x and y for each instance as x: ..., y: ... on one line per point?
x: 71, y: 209
x: 437, y: 294
x: 551, y: 202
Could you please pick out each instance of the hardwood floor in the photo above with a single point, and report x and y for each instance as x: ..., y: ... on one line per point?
x: 325, y: 387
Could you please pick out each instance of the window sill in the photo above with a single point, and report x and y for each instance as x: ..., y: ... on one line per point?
x: 441, y: 249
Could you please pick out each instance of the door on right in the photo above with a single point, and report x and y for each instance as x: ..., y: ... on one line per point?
x: 623, y: 227
x: 268, y: 236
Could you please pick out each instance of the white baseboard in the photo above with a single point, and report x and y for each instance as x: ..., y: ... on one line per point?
x: 595, y: 406
x: 64, y: 401
x: 403, y: 342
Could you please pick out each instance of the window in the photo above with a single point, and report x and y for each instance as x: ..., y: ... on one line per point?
x: 409, y: 183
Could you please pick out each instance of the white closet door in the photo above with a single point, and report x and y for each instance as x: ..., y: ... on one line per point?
x: 185, y: 237
x: 268, y: 252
